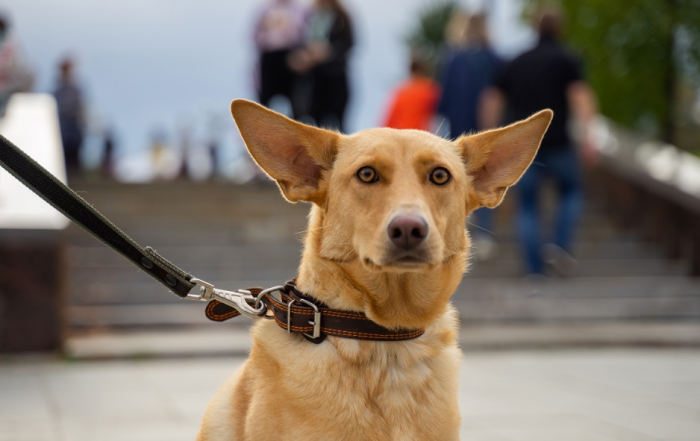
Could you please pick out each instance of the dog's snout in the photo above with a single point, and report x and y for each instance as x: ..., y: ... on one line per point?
x: 407, y: 231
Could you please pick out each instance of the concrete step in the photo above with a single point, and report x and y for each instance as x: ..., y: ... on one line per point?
x: 102, y: 256
x: 270, y: 230
x: 146, y: 290
x: 273, y: 269
x: 594, y: 287
x: 184, y: 313
x: 286, y: 229
x: 614, y: 298
x: 615, y: 248
x: 249, y: 271
x: 244, y: 236
x: 595, y: 267
x: 226, y: 340
x: 477, y: 300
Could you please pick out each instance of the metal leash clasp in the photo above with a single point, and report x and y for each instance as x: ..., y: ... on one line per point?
x: 241, y: 299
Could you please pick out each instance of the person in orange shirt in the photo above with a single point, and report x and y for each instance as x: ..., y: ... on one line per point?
x: 414, y: 102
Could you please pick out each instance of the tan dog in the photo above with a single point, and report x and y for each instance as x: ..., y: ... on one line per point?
x: 386, y: 237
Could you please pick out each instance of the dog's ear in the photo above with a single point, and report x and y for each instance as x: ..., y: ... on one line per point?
x: 496, y: 159
x: 293, y: 154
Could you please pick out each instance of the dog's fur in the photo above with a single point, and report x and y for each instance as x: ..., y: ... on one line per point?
x: 345, y: 389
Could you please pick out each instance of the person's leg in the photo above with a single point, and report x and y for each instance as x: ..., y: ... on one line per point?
x: 71, y: 151
x: 340, y: 100
x: 274, y: 75
x: 528, y: 221
x: 267, y: 78
x: 333, y: 98
x: 566, y: 171
x: 316, y: 100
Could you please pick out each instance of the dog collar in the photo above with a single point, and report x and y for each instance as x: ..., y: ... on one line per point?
x: 297, y: 312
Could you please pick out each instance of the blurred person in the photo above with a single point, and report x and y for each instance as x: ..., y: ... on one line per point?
x: 279, y: 30
x: 213, y: 141
x: 15, y: 75
x: 71, y: 114
x: 323, y: 58
x: 469, y: 72
x: 414, y: 102
x: 165, y: 162
x: 108, y: 158
x: 454, y: 39
x: 185, y: 143
x: 547, y: 76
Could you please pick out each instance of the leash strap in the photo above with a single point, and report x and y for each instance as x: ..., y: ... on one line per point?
x: 293, y: 311
x: 65, y: 200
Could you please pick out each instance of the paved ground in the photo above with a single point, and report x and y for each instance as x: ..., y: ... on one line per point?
x: 569, y: 395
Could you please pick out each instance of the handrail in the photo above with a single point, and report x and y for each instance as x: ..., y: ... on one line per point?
x: 653, y: 188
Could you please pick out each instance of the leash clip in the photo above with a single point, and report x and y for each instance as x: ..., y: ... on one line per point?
x: 206, y: 291
x: 240, y: 300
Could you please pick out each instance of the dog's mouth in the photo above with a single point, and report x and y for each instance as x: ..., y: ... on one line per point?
x: 406, y: 261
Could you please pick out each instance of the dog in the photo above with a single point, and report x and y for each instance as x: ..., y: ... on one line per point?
x: 386, y: 238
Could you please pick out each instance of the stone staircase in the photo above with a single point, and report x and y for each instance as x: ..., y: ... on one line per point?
x: 241, y: 236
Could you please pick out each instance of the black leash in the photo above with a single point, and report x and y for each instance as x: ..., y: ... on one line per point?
x: 65, y: 200
x: 294, y: 312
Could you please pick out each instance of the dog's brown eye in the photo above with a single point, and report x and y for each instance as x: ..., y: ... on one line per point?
x: 440, y: 176
x: 367, y: 175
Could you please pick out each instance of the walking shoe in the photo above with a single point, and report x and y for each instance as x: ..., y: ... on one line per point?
x: 558, y: 259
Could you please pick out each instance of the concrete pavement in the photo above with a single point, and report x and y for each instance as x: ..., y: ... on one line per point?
x: 563, y: 395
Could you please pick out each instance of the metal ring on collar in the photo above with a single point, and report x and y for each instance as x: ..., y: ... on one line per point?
x: 264, y: 292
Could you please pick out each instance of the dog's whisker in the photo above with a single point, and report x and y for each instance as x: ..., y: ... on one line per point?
x: 481, y: 228
x: 440, y: 126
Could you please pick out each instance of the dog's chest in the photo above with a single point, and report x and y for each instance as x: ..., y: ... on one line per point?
x: 381, y: 394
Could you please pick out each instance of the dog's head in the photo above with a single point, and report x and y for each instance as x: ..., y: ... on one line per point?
x: 390, y: 203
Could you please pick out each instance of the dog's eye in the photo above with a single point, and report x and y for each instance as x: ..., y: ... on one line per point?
x: 440, y: 176
x: 367, y: 175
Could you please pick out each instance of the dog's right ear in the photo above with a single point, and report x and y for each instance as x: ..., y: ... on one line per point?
x: 293, y: 154
x: 497, y: 158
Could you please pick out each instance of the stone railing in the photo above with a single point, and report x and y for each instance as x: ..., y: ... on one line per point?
x: 652, y: 188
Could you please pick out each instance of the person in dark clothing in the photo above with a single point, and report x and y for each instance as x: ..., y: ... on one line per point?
x: 279, y: 30
x: 15, y: 75
x: 329, y: 38
x: 547, y: 76
x: 69, y: 100
x: 467, y: 74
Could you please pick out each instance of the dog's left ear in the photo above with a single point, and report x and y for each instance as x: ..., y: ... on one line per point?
x: 496, y: 159
x: 293, y: 154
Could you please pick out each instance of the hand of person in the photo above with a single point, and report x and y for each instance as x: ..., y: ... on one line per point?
x: 589, y: 153
x: 319, y: 52
x: 300, y: 61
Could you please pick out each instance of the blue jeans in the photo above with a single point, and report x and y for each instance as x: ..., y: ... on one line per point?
x: 562, y: 165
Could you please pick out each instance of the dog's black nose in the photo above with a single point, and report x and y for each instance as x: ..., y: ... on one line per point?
x: 407, y: 231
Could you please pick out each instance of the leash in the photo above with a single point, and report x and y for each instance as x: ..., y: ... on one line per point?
x: 292, y: 310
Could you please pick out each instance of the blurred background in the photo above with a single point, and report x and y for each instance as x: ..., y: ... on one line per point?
x: 580, y: 313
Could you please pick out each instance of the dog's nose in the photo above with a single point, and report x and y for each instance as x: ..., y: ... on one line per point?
x: 407, y: 231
